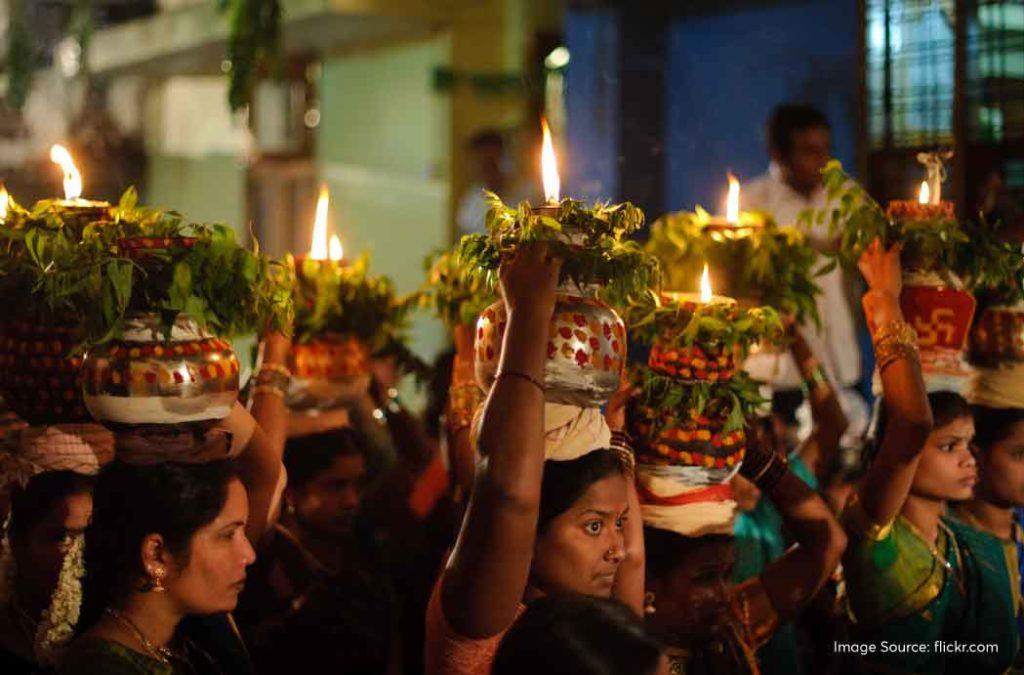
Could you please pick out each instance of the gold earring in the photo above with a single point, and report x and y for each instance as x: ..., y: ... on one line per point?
x: 649, y: 603
x: 156, y: 583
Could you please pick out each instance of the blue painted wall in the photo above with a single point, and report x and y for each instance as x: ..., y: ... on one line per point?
x: 592, y: 104
x: 725, y: 74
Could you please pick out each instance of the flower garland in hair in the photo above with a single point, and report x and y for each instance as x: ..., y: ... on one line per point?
x: 57, y: 624
x: 8, y: 574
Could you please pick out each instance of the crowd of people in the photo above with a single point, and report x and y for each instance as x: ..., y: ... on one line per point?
x: 447, y: 544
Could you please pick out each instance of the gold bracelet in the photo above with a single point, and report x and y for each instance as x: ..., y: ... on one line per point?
x: 269, y: 389
x: 896, y: 340
x: 274, y: 368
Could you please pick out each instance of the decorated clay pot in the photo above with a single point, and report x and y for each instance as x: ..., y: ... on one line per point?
x: 998, y: 335
x: 327, y: 372
x: 696, y: 363
x: 940, y: 312
x: 586, y: 349
x: 40, y: 378
x: 698, y: 443
x: 149, y: 378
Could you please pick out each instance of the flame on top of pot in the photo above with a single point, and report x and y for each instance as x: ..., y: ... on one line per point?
x: 549, y: 166
x: 4, y: 199
x: 320, y: 247
x: 732, y: 201
x: 924, y: 194
x: 72, y: 178
x: 705, y: 286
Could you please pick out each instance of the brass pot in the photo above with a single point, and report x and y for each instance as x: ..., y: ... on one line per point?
x: 149, y: 378
x: 327, y: 372
x: 586, y: 349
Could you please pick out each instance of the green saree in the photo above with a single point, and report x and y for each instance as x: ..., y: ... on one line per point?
x: 921, y: 610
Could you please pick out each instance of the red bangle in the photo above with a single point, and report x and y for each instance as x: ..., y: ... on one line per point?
x: 523, y: 376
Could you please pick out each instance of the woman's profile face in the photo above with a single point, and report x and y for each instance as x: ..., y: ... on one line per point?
x: 580, y: 551
x: 214, y: 574
x: 947, y: 468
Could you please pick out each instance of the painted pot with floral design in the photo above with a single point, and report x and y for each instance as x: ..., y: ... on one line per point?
x: 699, y: 443
x: 586, y: 349
x: 941, y: 312
x: 40, y: 376
x: 327, y: 372
x: 998, y: 335
x: 147, y: 377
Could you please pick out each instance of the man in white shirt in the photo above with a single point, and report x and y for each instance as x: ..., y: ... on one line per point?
x: 487, y: 154
x: 800, y: 146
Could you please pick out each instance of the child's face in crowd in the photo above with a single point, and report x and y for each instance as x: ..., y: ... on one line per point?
x: 580, y: 551
x: 328, y: 503
x: 1002, y: 470
x: 947, y: 469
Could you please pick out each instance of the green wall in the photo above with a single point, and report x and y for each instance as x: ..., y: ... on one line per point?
x: 209, y: 189
x: 383, y: 148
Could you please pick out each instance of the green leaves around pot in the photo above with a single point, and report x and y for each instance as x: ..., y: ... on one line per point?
x: 672, y: 322
x: 348, y: 300
x: 455, y: 295
x: 99, y: 275
x: 991, y: 266
x: 592, y: 240
x: 857, y: 220
x: 671, y: 402
x: 764, y: 262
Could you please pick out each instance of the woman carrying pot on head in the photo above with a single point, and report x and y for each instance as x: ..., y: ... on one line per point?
x: 50, y: 473
x: 916, y: 579
x: 169, y: 543
x: 532, y: 528
x: 709, y: 624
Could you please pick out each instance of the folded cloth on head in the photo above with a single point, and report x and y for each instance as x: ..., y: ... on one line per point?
x: 571, y: 432
x: 186, y: 442
x: 998, y: 387
x: 82, y: 448
x: 670, y: 502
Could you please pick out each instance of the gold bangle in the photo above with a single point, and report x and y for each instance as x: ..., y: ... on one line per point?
x: 896, y: 340
x: 274, y: 368
x: 269, y: 389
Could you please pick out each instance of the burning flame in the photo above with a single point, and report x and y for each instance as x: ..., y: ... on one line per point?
x: 3, y: 202
x: 549, y: 166
x: 732, y: 202
x: 705, y: 285
x: 72, y: 179
x: 318, y: 246
x: 335, y: 250
x: 924, y: 194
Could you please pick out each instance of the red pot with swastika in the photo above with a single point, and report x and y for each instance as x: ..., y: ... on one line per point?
x: 586, y: 349
x: 941, y: 313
